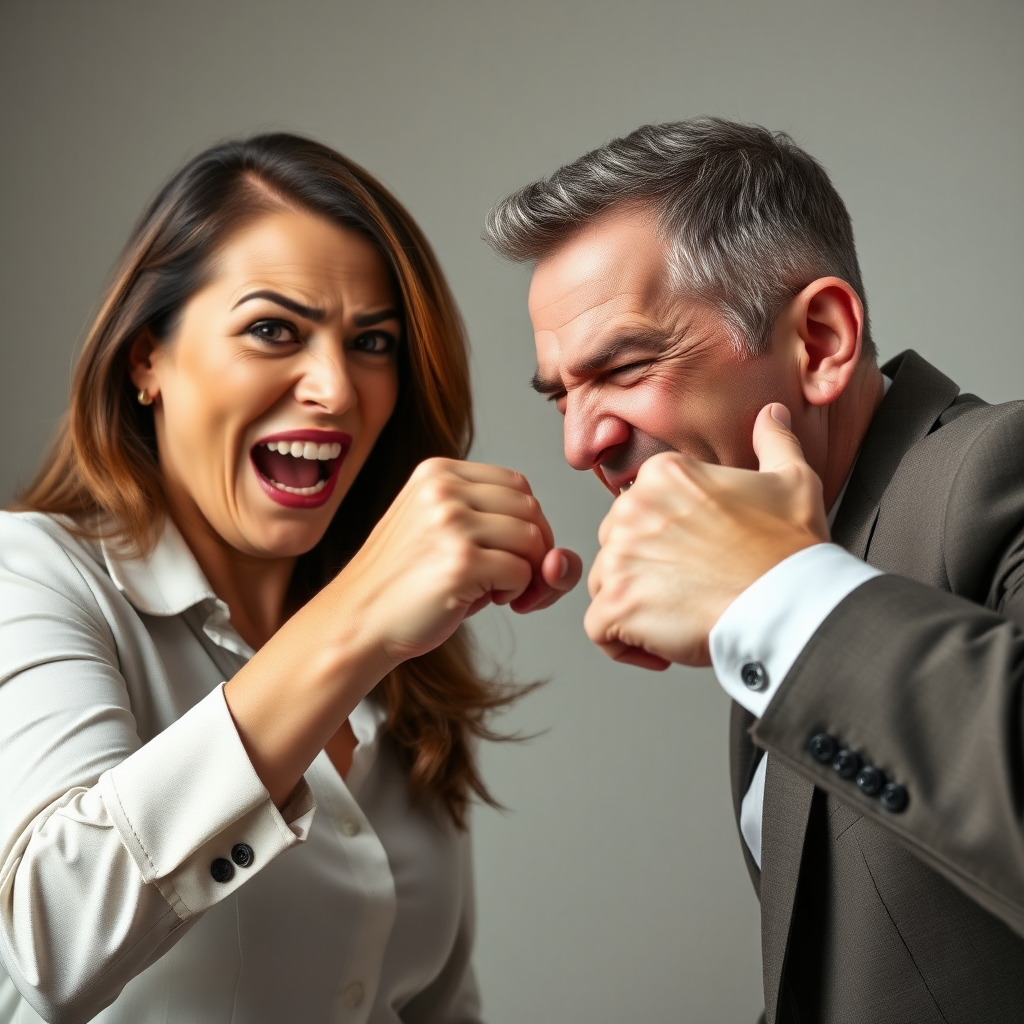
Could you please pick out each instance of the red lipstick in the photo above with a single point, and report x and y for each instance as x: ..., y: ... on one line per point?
x: 299, y: 468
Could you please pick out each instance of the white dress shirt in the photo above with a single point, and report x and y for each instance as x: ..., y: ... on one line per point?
x: 122, y: 780
x: 771, y: 622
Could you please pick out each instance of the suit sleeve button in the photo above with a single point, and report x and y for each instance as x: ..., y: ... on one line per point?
x: 222, y: 870
x: 242, y: 855
x: 846, y: 764
x: 754, y: 676
x: 894, y: 797
x: 822, y: 747
x: 352, y: 995
x: 870, y: 780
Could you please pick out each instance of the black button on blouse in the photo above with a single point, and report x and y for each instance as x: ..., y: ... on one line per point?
x: 242, y: 854
x: 222, y: 870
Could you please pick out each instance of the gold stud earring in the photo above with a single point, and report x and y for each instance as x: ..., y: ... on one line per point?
x: 144, y: 398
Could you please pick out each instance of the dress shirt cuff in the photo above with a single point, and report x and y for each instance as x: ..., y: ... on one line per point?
x: 187, y: 797
x: 770, y: 623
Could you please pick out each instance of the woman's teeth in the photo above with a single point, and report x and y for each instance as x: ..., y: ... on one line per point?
x: 315, y: 489
x: 298, y: 467
x: 305, y: 450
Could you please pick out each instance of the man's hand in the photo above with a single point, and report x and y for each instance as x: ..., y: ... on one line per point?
x: 688, y: 538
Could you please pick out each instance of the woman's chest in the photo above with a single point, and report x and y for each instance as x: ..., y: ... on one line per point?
x: 361, y: 917
x: 349, y: 925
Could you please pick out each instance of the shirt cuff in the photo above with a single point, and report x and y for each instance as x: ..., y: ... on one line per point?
x: 186, y: 799
x: 761, y: 634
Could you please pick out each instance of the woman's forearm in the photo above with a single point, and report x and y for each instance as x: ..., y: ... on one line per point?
x: 458, y: 536
x: 296, y: 692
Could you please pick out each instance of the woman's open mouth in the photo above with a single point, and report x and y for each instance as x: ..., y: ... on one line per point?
x: 299, y: 468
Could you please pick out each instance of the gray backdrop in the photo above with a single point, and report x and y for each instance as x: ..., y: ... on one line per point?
x: 613, y: 890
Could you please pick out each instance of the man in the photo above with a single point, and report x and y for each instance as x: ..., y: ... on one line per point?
x: 697, y: 285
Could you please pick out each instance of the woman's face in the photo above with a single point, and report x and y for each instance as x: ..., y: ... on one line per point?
x: 276, y: 382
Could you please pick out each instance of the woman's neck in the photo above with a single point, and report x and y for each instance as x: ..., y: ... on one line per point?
x: 255, y: 589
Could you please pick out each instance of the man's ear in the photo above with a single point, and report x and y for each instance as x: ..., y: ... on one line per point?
x: 140, y: 363
x: 828, y: 320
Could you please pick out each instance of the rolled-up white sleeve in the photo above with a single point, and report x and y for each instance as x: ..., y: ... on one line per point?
x: 761, y: 634
x: 107, y: 843
x: 187, y: 797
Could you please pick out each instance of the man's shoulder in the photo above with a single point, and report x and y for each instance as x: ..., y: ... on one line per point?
x: 985, y: 439
x: 970, y: 417
x: 957, y: 498
x: 974, y: 449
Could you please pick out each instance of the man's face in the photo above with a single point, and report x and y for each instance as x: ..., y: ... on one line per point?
x: 636, y: 369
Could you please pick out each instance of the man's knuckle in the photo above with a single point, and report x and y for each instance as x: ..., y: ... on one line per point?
x: 805, y: 477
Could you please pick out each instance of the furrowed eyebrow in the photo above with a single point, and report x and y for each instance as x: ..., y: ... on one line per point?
x: 546, y: 387
x: 369, y: 319
x: 624, y: 346
x: 315, y: 314
x: 308, y: 312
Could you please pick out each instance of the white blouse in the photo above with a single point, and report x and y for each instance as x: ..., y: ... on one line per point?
x: 145, y: 874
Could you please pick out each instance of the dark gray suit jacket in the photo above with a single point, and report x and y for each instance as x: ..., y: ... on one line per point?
x: 871, y: 916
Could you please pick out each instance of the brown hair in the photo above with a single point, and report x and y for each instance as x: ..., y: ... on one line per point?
x: 103, y: 467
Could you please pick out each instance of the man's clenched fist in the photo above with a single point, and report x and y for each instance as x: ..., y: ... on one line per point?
x: 688, y: 538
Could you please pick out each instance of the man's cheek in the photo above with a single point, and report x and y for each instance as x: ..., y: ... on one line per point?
x: 653, y: 408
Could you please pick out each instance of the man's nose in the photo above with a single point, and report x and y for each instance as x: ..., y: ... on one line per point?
x: 589, y: 433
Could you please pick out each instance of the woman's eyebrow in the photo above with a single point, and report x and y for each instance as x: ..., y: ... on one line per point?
x: 308, y: 312
x: 313, y: 313
x: 369, y: 319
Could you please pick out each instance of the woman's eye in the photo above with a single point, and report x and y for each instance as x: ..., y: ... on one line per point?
x: 375, y: 342
x: 276, y: 332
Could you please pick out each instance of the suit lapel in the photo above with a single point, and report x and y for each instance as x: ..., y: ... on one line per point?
x: 787, y: 806
x: 917, y: 397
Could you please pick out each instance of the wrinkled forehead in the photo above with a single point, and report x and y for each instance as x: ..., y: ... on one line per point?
x: 608, y: 279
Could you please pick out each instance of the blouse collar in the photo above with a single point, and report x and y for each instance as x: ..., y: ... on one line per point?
x: 168, y: 581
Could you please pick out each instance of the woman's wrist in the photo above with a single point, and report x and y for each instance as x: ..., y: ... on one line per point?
x: 334, y: 634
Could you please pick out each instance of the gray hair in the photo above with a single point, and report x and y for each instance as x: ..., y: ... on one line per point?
x: 750, y: 219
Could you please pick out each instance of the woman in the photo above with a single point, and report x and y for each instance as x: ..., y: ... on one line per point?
x: 276, y: 388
